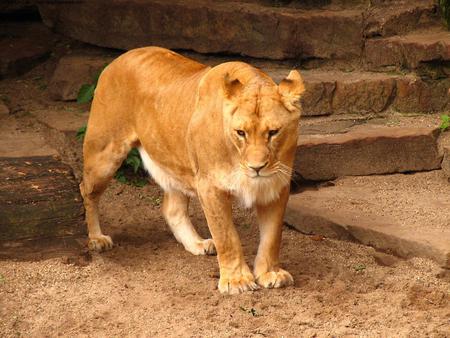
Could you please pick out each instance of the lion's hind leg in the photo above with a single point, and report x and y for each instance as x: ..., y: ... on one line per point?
x: 175, y: 210
x: 101, y: 161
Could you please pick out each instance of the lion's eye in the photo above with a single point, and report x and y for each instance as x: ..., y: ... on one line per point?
x: 273, y: 132
x: 241, y: 133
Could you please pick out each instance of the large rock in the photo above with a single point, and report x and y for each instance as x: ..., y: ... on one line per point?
x: 409, y: 51
x: 72, y: 72
x: 20, y: 141
x: 364, y: 213
x: 362, y: 93
x: 367, y: 150
x: 210, y: 27
x: 4, y: 110
x: 400, y: 17
x: 446, y: 161
x: 415, y: 95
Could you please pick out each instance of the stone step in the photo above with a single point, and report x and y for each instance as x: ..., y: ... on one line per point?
x: 364, y: 93
x: 74, y: 71
x: 427, y: 52
x: 366, y: 150
x: 388, y: 18
x: 328, y: 92
x: 339, y: 4
x: 251, y: 29
x: 22, y: 141
x: 399, y: 214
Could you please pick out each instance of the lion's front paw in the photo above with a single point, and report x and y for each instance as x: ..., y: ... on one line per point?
x: 236, y: 285
x: 275, y: 279
x: 100, y: 243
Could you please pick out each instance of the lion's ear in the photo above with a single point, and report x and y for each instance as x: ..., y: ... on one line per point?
x: 291, y: 89
x: 231, y: 87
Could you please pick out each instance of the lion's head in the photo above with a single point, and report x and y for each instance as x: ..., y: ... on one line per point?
x: 261, y: 126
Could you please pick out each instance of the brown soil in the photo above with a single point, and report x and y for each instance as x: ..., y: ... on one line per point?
x: 149, y: 286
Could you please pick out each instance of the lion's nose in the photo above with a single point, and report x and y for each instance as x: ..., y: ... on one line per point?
x: 257, y: 168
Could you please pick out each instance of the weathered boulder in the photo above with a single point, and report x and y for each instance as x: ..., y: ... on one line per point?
x: 367, y: 150
x: 408, y: 51
x: 4, y: 110
x: 210, y: 26
x: 352, y: 213
x: 415, y: 95
x: 446, y: 161
x: 334, y: 92
x: 72, y: 72
x: 400, y: 17
x: 337, y: 92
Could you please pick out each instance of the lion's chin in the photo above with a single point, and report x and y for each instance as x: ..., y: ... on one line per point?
x: 257, y: 189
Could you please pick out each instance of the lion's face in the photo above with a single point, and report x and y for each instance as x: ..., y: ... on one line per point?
x: 260, y: 134
x: 262, y: 127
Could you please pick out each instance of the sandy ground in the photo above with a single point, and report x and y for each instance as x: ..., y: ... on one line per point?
x: 148, y: 286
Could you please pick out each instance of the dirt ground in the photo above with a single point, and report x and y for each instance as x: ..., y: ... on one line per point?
x: 148, y: 286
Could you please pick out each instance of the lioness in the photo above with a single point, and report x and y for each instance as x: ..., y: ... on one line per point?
x: 217, y: 133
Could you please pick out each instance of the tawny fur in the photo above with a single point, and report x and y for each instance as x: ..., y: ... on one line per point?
x: 218, y: 133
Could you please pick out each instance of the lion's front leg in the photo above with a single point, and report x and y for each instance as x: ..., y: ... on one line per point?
x: 267, y: 269
x: 235, y: 275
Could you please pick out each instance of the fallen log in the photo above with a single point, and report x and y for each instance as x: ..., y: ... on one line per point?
x: 39, y: 198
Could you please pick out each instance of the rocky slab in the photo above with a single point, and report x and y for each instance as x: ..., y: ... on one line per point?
x: 4, y: 109
x: 336, y: 92
x: 408, y: 51
x: 208, y: 26
x: 367, y: 150
x: 389, y: 216
x: 330, y: 92
x: 446, y: 161
x: 62, y: 121
x: 388, y: 18
x: 20, y: 141
x: 248, y: 28
x: 72, y: 72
